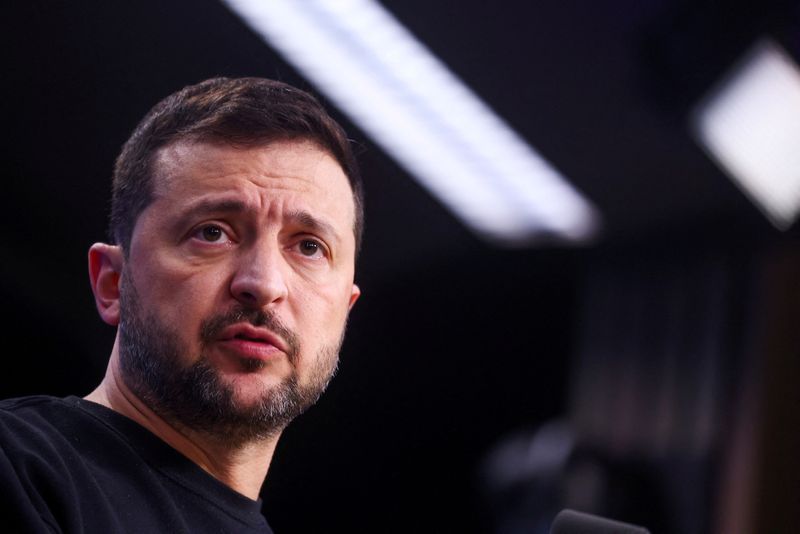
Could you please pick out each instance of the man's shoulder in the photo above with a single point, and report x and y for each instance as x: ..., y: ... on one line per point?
x: 40, y: 426
x: 31, y: 403
x: 80, y: 463
x: 53, y: 427
x: 31, y: 400
x: 37, y: 411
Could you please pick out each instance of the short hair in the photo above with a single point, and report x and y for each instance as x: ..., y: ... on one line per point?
x: 242, y: 112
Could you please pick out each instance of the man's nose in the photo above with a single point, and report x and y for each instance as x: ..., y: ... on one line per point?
x: 260, y: 277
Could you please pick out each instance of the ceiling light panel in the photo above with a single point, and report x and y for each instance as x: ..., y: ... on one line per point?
x: 358, y: 55
x: 751, y: 126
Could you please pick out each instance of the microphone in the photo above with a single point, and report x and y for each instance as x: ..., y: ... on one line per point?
x: 572, y: 522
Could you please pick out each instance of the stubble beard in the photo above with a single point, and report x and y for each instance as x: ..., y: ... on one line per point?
x: 193, y: 396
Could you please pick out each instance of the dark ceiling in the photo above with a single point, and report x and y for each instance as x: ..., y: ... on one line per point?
x: 601, y: 89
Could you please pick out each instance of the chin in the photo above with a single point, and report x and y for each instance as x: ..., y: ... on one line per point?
x: 251, y: 388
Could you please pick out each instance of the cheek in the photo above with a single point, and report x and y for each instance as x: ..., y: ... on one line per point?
x: 320, y: 312
x: 181, y: 296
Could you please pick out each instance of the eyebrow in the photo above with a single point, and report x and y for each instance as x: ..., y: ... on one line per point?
x: 306, y: 220
x: 217, y: 206
x: 208, y: 206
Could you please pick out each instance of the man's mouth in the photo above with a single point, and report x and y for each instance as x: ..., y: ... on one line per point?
x: 251, y: 341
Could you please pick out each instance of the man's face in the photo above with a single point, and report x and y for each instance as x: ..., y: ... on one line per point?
x: 237, y: 285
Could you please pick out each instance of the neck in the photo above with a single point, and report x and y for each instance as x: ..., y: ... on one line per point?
x: 242, y: 467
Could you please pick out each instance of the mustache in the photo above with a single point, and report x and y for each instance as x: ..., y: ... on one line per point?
x: 211, y: 328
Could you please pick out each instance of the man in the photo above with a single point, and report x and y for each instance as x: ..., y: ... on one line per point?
x: 236, y: 219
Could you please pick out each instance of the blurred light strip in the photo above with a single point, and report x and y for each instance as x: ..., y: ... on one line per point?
x: 392, y: 87
x: 751, y: 126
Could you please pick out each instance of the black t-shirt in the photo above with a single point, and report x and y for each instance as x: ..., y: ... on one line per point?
x: 70, y: 465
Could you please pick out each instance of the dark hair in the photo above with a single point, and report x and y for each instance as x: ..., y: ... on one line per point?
x: 239, y: 111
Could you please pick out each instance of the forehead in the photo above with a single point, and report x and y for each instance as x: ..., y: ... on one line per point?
x: 298, y: 172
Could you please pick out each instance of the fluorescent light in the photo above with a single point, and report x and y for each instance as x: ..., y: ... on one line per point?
x: 751, y: 126
x: 391, y: 86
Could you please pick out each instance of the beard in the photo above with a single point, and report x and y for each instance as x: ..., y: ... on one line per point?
x: 193, y: 396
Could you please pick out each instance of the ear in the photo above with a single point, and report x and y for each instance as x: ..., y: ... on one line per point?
x: 105, y: 268
x: 356, y: 292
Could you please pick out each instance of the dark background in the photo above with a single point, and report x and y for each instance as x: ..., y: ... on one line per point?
x: 665, y: 349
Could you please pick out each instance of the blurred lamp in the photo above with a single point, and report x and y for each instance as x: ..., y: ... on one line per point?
x: 358, y: 55
x: 751, y: 126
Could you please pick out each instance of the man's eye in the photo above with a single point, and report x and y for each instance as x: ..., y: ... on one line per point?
x: 309, y: 248
x: 211, y: 233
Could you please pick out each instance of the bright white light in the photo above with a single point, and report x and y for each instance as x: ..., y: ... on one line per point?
x: 751, y: 126
x: 390, y: 85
